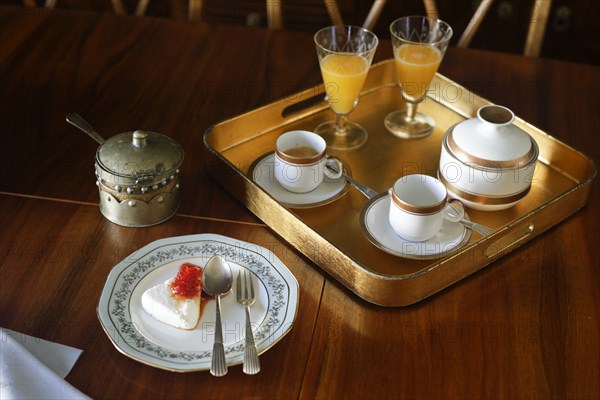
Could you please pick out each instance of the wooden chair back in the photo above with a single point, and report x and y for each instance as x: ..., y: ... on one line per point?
x: 535, y: 36
x: 117, y: 5
x: 274, y: 12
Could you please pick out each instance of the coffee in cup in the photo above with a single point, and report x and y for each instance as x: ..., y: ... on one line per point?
x: 301, y: 161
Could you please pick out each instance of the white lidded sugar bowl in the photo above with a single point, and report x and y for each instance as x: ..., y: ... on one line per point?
x: 487, y: 162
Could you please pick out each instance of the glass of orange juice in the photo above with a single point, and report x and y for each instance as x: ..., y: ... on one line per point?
x: 345, y: 53
x: 419, y: 45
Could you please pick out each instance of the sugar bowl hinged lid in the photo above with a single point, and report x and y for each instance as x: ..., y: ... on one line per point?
x: 488, y: 162
x: 137, y: 174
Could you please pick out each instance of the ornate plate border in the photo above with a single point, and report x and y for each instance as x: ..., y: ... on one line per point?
x: 113, y: 306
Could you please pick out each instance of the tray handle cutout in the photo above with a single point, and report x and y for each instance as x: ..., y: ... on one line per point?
x: 509, y: 242
x: 303, y: 105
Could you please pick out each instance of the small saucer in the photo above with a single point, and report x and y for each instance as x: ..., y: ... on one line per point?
x: 375, y: 225
x: 262, y: 173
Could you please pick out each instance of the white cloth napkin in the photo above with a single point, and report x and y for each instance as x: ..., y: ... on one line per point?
x: 32, y: 368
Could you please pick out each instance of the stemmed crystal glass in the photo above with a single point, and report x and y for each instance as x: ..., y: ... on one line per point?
x: 345, y: 54
x: 419, y: 45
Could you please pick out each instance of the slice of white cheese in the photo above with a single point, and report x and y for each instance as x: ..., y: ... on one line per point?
x: 159, y: 302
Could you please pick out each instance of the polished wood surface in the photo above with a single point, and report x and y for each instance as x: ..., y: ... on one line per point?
x: 526, y: 326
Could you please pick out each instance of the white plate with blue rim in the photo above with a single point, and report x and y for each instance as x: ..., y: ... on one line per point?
x: 140, y: 336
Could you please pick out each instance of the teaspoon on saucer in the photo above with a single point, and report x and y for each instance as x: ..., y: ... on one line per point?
x: 456, y: 213
x: 367, y: 191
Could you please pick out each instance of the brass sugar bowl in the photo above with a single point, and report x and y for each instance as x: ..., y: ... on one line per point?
x: 137, y: 174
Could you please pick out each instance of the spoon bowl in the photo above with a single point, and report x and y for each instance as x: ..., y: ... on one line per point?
x: 455, y: 212
x: 217, y: 278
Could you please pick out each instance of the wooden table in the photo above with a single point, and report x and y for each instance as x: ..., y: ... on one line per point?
x: 525, y: 327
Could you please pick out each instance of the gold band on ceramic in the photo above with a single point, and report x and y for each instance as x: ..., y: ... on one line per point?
x: 299, y: 160
x: 420, y: 210
x: 482, y: 199
x: 475, y: 162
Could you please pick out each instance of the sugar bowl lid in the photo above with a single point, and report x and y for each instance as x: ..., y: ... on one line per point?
x: 491, y: 140
x: 139, y: 154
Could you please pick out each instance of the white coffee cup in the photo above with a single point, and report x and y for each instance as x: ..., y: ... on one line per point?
x: 301, y: 160
x: 418, y: 206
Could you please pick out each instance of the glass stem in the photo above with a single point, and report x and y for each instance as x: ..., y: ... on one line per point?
x: 411, y: 111
x: 340, y: 123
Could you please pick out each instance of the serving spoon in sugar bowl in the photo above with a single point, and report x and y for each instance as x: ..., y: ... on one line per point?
x: 217, y: 280
x: 77, y: 121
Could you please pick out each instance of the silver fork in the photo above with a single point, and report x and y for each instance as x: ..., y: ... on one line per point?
x: 246, y: 297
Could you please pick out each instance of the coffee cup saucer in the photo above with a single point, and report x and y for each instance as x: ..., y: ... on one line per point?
x: 375, y: 225
x: 262, y: 173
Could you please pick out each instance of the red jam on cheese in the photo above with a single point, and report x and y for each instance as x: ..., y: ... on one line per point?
x: 188, y: 281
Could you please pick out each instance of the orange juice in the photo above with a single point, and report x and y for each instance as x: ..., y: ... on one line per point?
x: 343, y: 75
x: 415, y: 66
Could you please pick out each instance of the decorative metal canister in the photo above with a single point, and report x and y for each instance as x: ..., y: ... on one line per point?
x: 138, y: 178
x: 137, y: 174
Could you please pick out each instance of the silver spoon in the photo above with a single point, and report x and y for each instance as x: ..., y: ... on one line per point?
x: 217, y: 280
x: 77, y: 121
x: 367, y: 191
x: 455, y: 212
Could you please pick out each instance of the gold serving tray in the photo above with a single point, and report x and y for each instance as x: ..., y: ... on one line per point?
x: 331, y: 236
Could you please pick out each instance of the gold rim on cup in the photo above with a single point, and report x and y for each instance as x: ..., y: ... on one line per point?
x: 419, y: 210
x: 299, y: 160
